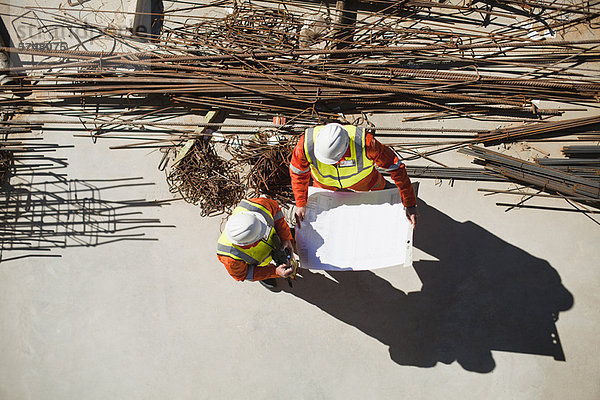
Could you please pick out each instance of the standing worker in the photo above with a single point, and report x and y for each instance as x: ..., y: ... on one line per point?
x: 344, y: 157
x: 255, y: 232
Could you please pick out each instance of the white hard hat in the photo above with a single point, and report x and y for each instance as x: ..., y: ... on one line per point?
x: 331, y: 143
x: 245, y: 228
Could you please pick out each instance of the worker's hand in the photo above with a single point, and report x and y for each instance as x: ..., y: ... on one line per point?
x: 287, y: 244
x: 300, y: 213
x: 411, y: 214
x: 284, y: 270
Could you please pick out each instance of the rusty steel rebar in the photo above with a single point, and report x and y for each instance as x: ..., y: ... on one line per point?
x: 294, y: 60
x: 265, y: 72
x: 544, y: 178
x: 267, y: 158
x: 6, y: 166
x: 204, y: 178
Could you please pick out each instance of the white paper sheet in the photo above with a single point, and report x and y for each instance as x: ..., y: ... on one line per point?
x: 354, y: 231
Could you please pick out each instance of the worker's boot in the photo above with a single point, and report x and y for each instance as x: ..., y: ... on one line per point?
x: 270, y: 284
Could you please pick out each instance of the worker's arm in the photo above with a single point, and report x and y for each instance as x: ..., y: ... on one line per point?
x: 284, y: 233
x: 300, y: 176
x: 282, y: 228
x: 241, y: 271
x: 385, y: 158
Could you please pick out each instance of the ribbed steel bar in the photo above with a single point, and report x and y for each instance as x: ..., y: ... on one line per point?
x: 581, y: 151
x: 542, y: 177
x: 507, y: 135
x: 469, y: 174
x: 547, y: 208
x: 295, y: 53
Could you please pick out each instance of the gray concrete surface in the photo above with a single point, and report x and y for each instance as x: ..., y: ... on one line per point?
x: 499, y: 305
x: 162, y: 319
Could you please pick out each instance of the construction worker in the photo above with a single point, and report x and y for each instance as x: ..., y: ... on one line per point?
x: 254, y: 232
x: 344, y: 158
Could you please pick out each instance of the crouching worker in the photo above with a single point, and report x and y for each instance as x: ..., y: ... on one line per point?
x: 253, y: 234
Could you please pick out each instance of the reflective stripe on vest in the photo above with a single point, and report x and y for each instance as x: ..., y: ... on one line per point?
x: 336, y: 175
x: 250, y: 206
x: 258, y: 255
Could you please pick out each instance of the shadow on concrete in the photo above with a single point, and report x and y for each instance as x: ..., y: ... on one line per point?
x: 39, y: 216
x: 483, y: 294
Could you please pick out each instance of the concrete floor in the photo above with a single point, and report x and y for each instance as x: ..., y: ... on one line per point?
x: 499, y: 305
x: 507, y: 308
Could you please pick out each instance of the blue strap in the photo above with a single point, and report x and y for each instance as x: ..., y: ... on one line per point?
x: 250, y: 274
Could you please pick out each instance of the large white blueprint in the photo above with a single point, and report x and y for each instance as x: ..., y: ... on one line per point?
x: 354, y: 231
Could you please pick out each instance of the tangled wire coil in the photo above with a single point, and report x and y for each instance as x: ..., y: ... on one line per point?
x: 205, y: 178
x: 268, y: 158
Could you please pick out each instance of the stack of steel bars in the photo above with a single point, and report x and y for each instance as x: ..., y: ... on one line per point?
x: 550, y: 180
x: 582, y: 160
x: 541, y: 129
x: 257, y: 61
x: 312, y: 62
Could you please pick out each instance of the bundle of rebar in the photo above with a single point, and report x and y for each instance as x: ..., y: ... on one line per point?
x: 544, y: 178
x: 459, y: 174
x: 582, y: 160
x: 294, y: 61
x: 582, y: 151
x: 267, y: 157
x: 540, y: 129
x: 203, y: 177
x: 290, y: 86
x: 311, y: 62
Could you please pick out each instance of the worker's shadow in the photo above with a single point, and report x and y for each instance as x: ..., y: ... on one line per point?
x: 483, y: 294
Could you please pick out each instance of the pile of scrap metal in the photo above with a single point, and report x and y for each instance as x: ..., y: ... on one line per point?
x: 312, y: 62
x: 256, y: 167
x: 254, y: 61
x: 6, y: 165
x: 203, y: 177
x: 267, y: 158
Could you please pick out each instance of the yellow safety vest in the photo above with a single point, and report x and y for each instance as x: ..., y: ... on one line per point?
x: 259, y: 255
x: 347, y: 172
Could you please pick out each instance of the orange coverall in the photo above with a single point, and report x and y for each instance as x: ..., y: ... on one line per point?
x: 381, y: 155
x: 239, y: 269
